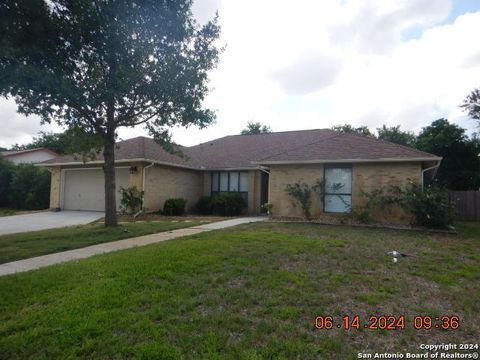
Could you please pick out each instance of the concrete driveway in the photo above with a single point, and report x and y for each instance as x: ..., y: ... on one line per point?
x: 46, y: 220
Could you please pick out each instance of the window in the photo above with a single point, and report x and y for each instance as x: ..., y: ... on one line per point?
x: 234, y: 179
x: 231, y: 181
x: 214, y: 181
x: 223, y: 181
x: 244, y: 181
x: 338, y: 189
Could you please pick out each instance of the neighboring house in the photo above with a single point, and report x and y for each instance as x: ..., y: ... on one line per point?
x: 258, y: 166
x: 30, y: 156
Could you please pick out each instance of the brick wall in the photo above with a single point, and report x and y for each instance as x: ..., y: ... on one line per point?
x: 207, y: 183
x: 371, y: 176
x: 280, y: 176
x: 254, y: 191
x: 165, y: 182
x: 136, y: 179
x: 55, y: 187
x: 365, y: 176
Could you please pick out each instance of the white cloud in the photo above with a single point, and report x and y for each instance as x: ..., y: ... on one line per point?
x: 310, y: 64
x: 16, y: 128
x: 311, y: 72
x: 377, y: 27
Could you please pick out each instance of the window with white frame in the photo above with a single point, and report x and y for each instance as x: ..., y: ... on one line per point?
x: 338, y: 189
x: 230, y: 181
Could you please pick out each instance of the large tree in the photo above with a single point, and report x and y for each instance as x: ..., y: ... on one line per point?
x: 472, y: 105
x: 95, y: 66
x: 395, y: 135
x: 460, y: 166
x: 254, y: 128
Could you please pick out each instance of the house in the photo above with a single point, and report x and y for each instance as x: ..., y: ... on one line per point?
x: 30, y: 156
x: 257, y: 166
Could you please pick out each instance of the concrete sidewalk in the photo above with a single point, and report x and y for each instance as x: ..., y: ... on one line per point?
x: 82, y: 253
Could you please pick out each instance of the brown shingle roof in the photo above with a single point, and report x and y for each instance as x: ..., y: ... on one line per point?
x: 346, y: 147
x: 134, y: 149
x: 243, y: 151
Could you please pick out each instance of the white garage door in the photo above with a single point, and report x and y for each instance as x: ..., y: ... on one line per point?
x: 84, y: 189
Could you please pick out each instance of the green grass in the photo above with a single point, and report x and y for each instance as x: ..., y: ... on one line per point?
x: 25, y: 245
x: 249, y: 292
x: 7, y: 212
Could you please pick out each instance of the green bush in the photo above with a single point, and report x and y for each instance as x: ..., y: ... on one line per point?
x: 30, y: 188
x: 430, y: 206
x: 6, y: 173
x: 228, y: 204
x: 205, y: 205
x: 132, y: 200
x: 174, y: 207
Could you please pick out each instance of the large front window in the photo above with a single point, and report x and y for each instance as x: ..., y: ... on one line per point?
x: 230, y: 181
x: 338, y: 189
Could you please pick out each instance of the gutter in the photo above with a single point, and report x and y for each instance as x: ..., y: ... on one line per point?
x: 431, y: 168
x: 127, y: 161
x: 339, y: 161
x: 99, y: 162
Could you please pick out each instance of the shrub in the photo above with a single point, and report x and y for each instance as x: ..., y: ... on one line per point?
x: 30, y: 188
x: 429, y: 206
x: 174, y: 207
x: 205, y: 205
x: 228, y: 204
x: 267, y: 207
x: 301, y: 194
x: 6, y: 174
x: 132, y: 200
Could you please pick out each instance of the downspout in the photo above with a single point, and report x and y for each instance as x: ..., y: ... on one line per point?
x: 143, y: 189
x: 430, y: 168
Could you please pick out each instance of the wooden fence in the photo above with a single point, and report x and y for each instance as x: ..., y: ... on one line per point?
x: 467, y: 204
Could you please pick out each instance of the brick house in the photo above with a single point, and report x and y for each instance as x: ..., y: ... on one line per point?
x: 257, y: 166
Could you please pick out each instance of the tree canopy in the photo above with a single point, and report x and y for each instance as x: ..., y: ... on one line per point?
x: 95, y: 66
x: 58, y: 142
x: 254, y: 128
x: 397, y: 136
x: 460, y: 166
x: 347, y: 128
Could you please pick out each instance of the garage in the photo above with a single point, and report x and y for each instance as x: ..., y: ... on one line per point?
x: 83, y: 189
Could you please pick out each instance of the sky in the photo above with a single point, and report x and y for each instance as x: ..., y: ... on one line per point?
x: 310, y: 64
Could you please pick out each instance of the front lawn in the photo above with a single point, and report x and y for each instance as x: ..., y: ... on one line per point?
x: 248, y: 292
x: 29, y: 244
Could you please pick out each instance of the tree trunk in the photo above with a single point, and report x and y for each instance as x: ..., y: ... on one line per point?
x: 109, y: 173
